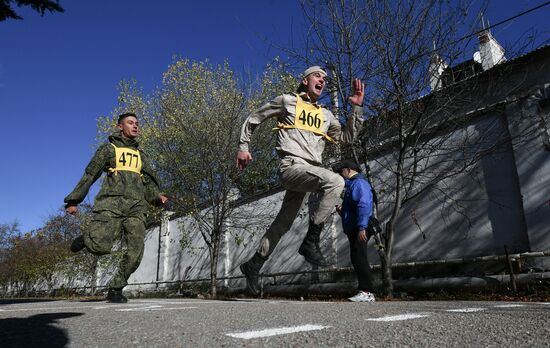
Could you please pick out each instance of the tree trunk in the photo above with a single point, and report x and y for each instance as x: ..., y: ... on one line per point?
x: 387, y: 275
x: 380, y: 242
x: 214, y: 253
x: 390, y: 226
x: 94, y: 276
x: 49, y: 282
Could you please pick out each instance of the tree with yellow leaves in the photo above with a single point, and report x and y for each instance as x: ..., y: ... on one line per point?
x: 190, y: 126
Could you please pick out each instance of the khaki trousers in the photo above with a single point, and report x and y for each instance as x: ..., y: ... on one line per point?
x: 299, y: 178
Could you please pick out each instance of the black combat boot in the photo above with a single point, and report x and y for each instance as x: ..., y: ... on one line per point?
x: 77, y: 244
x: 251, y: 269
x: 310, y: 246
x: 116, y: 296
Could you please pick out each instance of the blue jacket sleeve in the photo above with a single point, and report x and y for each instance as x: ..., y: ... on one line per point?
x: 362, y: 195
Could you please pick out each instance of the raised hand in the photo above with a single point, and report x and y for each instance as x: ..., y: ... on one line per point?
x: 358, y: 92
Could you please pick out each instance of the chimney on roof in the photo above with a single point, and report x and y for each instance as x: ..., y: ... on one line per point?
x: 491, y: 52
x: 437, y: 66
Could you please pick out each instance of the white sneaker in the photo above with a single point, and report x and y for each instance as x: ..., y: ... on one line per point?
x: 363, y: 297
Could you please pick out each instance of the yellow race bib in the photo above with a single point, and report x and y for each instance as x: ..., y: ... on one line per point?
x: 307, y: 117
x: 126, y: 159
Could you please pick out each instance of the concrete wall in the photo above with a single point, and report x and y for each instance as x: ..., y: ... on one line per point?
x: 530, y: 120
x: 501, y: 199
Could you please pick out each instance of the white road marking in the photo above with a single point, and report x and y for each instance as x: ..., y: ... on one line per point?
x: 137, y: 309
x: 466, y: 310
x: 152, y: 308
x: 185, y: 302
x: 276, y: 331
x: 399, y: 317
x: 114, y: 306
x: 509, y: 306
x: 102, y: 307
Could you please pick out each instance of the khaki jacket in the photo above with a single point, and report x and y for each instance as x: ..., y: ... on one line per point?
x: 299, y: 142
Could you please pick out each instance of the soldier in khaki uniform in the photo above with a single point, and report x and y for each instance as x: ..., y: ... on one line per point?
x: 120, y: 205
x: 304, y: 127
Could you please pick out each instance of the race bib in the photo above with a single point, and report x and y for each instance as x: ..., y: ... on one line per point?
x: 308, y: 116
x: 127, y: 159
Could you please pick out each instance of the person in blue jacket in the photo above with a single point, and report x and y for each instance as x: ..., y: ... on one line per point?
x: 356, y: 209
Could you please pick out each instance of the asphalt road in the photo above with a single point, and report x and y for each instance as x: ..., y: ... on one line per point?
x: 265, y: 323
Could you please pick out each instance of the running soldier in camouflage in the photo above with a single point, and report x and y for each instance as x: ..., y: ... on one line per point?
x: 303, y: 128
x: 120, y: 207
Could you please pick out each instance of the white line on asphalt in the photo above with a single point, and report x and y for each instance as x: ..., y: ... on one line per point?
x: 120, y: 305
x: 137, y: 309
x: 169, y: 308
x: 151, y: 308
x: 186, y: 302
x: 399, y: 317
x: 466, y: 310
x: 276, y: 331
x: 509, y: 306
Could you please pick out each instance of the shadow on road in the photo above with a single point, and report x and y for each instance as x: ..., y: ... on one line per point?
x: 35, y: 331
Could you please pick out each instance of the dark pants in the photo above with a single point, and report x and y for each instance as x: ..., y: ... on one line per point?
x: 360, y: 262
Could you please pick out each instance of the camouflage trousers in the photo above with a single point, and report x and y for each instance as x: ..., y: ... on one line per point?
x: 301, y: 178
x: 105, y: 228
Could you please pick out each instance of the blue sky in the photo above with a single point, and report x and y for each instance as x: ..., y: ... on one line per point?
x: 59, y: 72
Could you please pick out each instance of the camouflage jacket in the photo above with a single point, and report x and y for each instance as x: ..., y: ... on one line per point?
x: 122, y: 184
